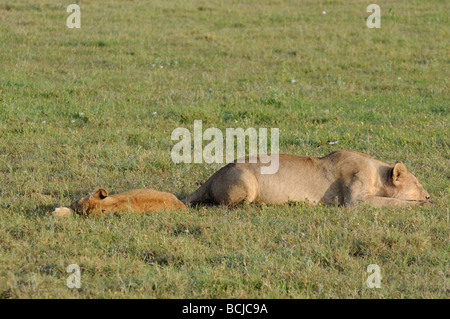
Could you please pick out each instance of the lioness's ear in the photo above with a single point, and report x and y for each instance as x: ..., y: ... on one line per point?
x: 100, y: 194
x: 398, y: 173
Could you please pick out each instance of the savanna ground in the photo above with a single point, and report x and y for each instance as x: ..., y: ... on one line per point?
x: 95, y: 107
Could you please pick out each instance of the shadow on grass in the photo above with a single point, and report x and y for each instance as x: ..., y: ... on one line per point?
x: 40, y: 210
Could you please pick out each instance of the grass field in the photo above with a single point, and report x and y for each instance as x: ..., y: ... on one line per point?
x: 95, y: 107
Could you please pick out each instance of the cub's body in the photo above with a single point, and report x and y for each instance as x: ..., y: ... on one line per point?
x: 136, y: 200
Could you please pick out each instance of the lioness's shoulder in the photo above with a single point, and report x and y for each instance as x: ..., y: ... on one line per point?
x: 345, y: 153
x: 354, y: 159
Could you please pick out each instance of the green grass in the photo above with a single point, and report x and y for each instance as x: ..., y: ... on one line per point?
x: 77, y: 112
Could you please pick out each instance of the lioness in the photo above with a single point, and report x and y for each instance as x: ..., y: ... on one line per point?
x: 136, y: 200
x: 342, y: 177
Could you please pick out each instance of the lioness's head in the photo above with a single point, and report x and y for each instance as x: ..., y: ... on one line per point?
x: 406, y: 185
x: 91, y: 202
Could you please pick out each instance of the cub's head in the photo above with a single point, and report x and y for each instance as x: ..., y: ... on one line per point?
x: 91, y: 202
x: 406, y: 185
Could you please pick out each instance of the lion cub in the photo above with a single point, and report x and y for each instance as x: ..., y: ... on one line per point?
x: 136, y: 200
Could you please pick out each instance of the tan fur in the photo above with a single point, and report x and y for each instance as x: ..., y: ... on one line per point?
x: 136, y: 200
x: 63, y: 212
x: 343, y: 177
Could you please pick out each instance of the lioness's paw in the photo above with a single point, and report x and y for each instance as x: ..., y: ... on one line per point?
x: 426, y: 202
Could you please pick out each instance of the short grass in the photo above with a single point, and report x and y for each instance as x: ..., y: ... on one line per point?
x: 90, y: 107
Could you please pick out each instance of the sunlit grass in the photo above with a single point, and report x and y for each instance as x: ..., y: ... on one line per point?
x: 95, y: 107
